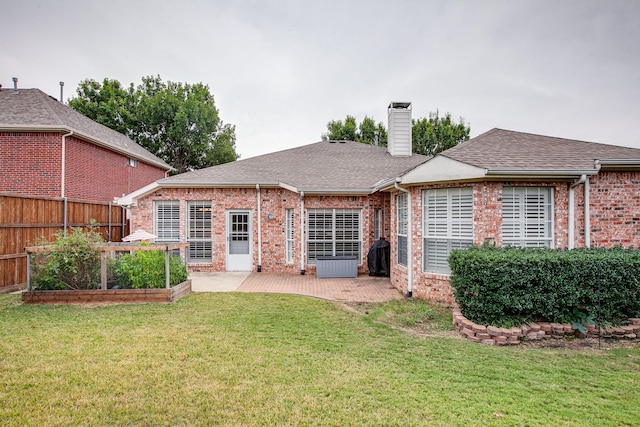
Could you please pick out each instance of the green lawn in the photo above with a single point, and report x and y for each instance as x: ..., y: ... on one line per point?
x: 251, y: 359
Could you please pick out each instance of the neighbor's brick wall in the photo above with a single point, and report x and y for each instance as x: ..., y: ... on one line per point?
x: 32, y: 164
x: 274, y: 201
x: 95, y: 173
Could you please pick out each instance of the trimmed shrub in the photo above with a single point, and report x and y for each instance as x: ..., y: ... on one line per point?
x: 146, y: 270
x: 510, y: 286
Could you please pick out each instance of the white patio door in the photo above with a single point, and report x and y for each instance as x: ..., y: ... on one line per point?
x: 239, y: 241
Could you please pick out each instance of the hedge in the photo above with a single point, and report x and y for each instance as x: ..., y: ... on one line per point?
x: 511, y: 286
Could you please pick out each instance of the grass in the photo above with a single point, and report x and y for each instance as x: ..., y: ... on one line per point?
x: 252, y: 359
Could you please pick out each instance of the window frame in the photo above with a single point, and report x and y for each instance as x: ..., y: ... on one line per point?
x: 402, y: 227
x: 447, y: 224
x: 525, y: 228
x: 325, y: 240
x: 199, y: 232
x: 170, y: 233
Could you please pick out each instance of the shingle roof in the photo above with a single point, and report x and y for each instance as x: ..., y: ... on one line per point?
x: 326, y: 166
x: 32, y: 109
x: 500, y: 149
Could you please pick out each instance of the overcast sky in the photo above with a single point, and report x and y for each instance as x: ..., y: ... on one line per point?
x: 280, y: 70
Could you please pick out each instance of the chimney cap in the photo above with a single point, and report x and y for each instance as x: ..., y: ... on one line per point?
x: 403, y: 105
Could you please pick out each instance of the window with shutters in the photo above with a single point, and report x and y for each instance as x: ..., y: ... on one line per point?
x: 333, y: 232
x: 167, y: 220
x: 289, y: 230
x: 526, y: 217
x: 401, y: 214
x: 447, y: 225
x: 199, y: 232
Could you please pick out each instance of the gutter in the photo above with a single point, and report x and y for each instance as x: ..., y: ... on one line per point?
x: 409, y: 235
x: 302, y: 252
x: 582, y: 180
x: 64, y: 159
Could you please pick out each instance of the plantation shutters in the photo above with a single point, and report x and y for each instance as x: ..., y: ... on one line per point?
x: 289, y: 233
x: 401, y: 214
x: 448, y: 225
x: 526, y: 217
x: 199, y: 232
x: 333, y: 232
x: 167, y: 220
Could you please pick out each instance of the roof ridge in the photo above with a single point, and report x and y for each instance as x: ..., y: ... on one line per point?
x: 45, y: 101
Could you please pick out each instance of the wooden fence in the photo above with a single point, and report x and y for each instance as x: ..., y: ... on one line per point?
x: 25, y: 219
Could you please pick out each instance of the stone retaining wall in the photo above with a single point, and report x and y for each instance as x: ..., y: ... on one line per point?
x: 491, y: 335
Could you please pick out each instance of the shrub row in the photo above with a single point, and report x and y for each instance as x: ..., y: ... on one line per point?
x: 510, y: 286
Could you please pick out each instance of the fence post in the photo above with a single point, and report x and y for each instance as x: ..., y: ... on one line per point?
x: 103, y: 270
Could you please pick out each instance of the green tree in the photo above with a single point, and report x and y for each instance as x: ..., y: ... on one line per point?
x: 430, y: 136
x: 435, y: 134
x: 350, y: 130
x: 178, y: 122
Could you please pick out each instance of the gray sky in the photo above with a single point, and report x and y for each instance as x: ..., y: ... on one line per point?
x: 280, y: 70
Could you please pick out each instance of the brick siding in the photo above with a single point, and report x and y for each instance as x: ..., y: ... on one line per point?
x: 274, y: 201
x: 31, y: 164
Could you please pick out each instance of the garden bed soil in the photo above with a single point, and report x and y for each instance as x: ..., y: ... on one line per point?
x: 102, y: 296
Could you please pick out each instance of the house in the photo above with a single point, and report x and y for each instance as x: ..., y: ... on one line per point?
x: 48, y: 149
x: 281, y: 211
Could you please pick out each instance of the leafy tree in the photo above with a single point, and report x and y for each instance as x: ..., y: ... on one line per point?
x: 350, y: 130
x: 178, y: 122
x: 435, y: 134
x: 430, y: 136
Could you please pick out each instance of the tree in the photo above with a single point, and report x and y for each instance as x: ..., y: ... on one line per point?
x: 350, y: 130
x: 430, y: 136
x: 178, y: 122
x: 435, y: 134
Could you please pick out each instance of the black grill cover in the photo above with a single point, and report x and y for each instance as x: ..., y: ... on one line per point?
x: 379, y: 258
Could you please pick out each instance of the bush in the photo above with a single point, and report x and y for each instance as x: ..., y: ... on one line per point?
x: 511, y: 286
x: 73, y: 263
x: 146, y: 269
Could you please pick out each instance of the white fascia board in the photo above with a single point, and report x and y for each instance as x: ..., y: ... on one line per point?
x: 442, y: 168
x: 337, y: 192
x: 617, y: 163
x: 539, y: 173
x: 131, y: 199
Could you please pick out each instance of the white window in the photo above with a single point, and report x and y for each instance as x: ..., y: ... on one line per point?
x: 526, y: 217
x: 333, y: 232
x: 377, y: 224
x: 132, y: 162
x: 401, y: 215
x: 448, y: 224
x: 167, y: 221
x: 289, y: 232
x: 199, y: 232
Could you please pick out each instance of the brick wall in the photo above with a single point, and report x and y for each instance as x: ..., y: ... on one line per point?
x: 32, y: 164
x: 274, y: 201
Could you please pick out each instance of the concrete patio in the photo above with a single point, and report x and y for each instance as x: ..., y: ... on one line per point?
x: 362, y: 289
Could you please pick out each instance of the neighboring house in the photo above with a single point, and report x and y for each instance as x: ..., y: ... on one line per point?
x: 512, y: 188
x: 280, y: 211
x: 48, y: 149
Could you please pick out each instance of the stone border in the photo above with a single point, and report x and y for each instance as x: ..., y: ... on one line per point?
x: 491, y: 335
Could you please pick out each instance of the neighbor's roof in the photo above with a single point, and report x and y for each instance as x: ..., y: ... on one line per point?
x: 500, y: 149
x: 34, y: 110
x: 323, y: 167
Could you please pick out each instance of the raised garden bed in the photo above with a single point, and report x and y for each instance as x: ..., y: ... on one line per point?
x: 100, y: 296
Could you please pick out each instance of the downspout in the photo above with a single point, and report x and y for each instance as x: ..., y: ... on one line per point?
x: 63, y: 173
x: 302, y: 252
x: 259, y: 230
x: 409, y: 242
x: 572, y: 214
x: 587, y: 219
